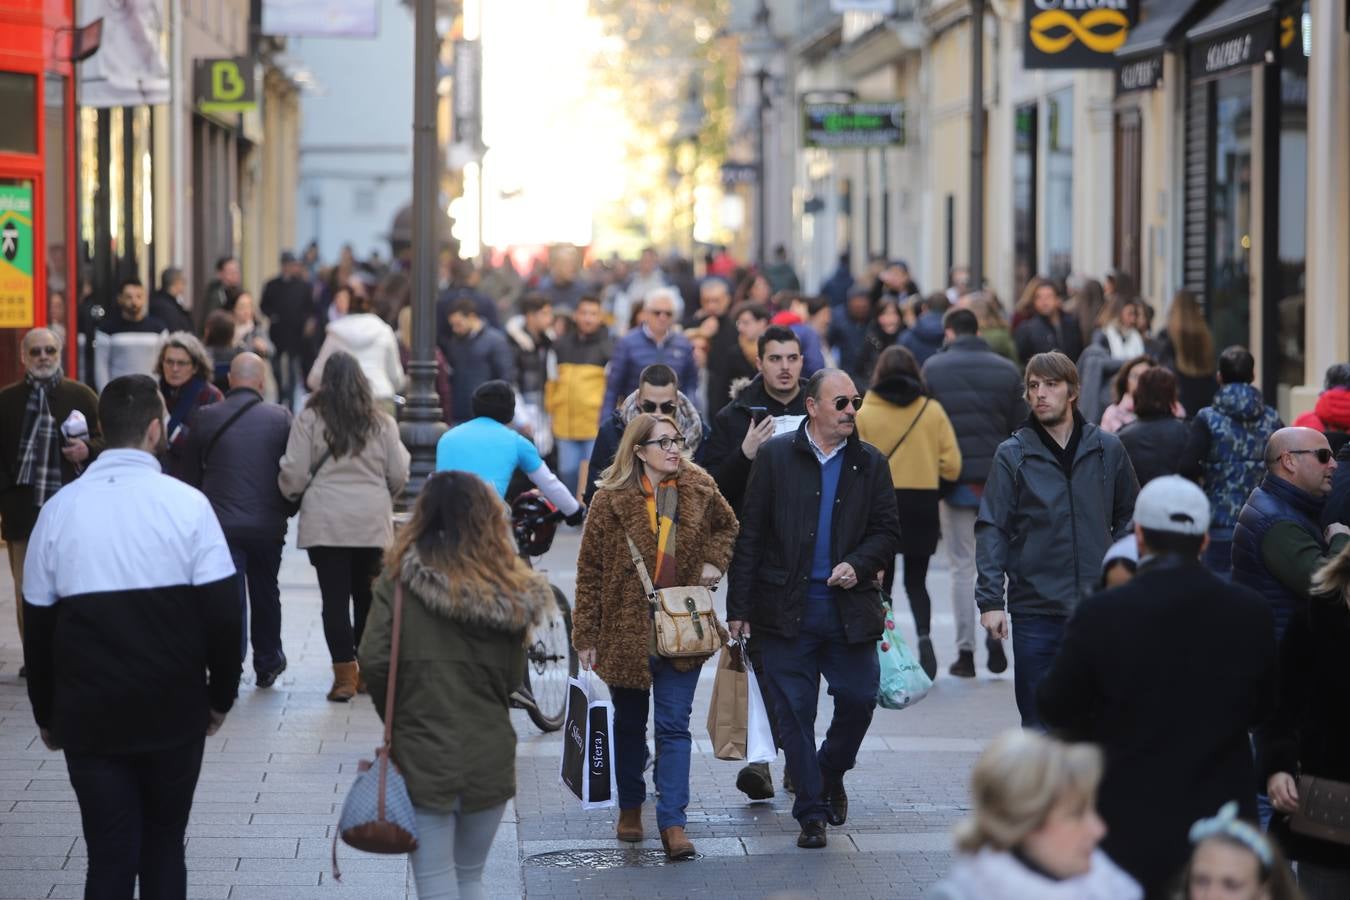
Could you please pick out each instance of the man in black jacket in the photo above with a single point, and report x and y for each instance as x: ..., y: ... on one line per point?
x: 36, y: 456
x: 818, y: 523
x: 233, y: 454
x: 1167, y: 673
x: 132, y: 645
x: 288, y: 302
x: 982, y: 394
x: 777, y: 390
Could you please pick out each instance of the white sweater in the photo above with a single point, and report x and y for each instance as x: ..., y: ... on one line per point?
x: 370, y: 339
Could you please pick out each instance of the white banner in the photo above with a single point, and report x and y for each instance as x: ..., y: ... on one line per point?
x: 885, y: 7
x: 321, y: 18
x: 129, y: 67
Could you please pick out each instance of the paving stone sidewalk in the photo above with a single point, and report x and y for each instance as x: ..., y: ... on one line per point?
x: 273, y: 780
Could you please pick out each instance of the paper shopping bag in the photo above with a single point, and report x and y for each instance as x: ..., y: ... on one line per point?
x: 730, y: 704
x: 587, y: 768
x: 759, y: 745
x: 903, y: 683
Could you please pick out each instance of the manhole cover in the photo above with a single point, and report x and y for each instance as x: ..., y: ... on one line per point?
x: 599, y: 859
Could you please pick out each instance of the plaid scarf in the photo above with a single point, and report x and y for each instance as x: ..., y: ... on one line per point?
x: 40, y: 444
x: 664, y: 518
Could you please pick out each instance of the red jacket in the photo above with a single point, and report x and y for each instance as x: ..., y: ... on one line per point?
x: 1332, y: 412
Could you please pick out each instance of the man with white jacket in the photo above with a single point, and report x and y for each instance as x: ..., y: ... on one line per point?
x: 370, y: 339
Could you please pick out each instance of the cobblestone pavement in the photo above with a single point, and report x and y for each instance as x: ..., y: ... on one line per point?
x: 274, y: 778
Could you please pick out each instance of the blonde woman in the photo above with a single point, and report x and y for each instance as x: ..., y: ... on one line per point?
x: 468, y: 603
x: 1035, y: 829
x: 684, y: 529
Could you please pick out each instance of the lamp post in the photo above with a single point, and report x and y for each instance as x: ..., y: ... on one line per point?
x: 687, y: 130
x: 761, y: 49
x: 421, y: 426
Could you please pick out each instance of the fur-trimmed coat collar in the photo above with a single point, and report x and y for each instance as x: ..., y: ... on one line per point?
x: 497, y: 611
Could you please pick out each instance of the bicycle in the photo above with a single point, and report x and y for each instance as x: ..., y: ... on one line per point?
x: 550, y: 659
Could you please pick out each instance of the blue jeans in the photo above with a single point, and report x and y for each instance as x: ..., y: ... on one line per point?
x: 1219, y: 553
x: 672, y: 696
x: 1035, y: 642
x: 256, y: 564
x: 570, y: 456
x: 792, y: 668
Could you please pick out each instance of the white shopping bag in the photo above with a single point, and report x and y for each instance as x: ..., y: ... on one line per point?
x: 587, y: 768
x: 759, y: 736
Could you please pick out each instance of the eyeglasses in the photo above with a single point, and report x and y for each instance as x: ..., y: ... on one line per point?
x: 35, y: 352
x: 176, y: 363
x: 667, y: 408
x: 666, y: 443
x: 1322, y: 453
x: 842, y: 403
x: 664, y: 313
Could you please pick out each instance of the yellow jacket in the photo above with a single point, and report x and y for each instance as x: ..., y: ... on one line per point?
x: 928, y: 454
x: 576, y: 385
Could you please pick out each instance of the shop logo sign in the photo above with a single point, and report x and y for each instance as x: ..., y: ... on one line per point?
x: 1076, y: 34
x: 9, y: 241
x: 225, y: 85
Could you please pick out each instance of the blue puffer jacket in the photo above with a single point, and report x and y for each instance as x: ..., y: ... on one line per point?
x: 1273, y: 502
x: 1239, y: 424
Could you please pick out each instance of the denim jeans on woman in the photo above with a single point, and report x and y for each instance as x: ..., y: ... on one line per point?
x: 452, y: 848
x: 672, y: 696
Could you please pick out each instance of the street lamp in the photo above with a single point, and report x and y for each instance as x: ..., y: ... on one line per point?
x: 421, y: 426
x: 761, y: 50
x: 687, y: 129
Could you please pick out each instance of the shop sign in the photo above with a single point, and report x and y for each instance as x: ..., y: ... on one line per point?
x: 1232, y: 50
x: 16, y: 255
x: 739, y: 173
x: 858, y: 124
x: 225, y: 85
x: 1076, y: 34
x: 1139, y: 74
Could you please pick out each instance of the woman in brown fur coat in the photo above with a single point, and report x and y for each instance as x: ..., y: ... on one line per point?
x: 685, y: 530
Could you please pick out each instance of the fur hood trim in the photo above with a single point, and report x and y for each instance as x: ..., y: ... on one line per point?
x: 496, y: 611
x: 1334, y: 577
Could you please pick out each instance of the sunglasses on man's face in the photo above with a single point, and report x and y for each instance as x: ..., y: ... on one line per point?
x: 35, y: 352
x: 842, y: 403
x: 1322, y: 453
x: 667, y: 408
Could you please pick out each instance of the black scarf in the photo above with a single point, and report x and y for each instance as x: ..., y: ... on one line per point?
x: 1066, y: 453
x: 40, y: 442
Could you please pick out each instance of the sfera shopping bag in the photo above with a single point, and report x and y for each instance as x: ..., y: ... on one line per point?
x: 738, y: 725
x: 587, y: 768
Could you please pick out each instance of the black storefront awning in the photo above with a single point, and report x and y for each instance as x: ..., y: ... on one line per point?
x: 1237, y: 34
x: 1141, y: 56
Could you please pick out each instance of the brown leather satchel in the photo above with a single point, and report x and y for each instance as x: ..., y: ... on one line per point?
x: 1323, y: 810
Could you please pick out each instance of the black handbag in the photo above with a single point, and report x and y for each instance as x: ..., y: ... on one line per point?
x: 1323, y: 810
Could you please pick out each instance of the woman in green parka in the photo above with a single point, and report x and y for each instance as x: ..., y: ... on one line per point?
x: 468, y: 605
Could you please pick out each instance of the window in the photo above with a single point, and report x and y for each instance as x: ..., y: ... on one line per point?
x: 363, y: 200
x: 1286, y: 321
x: 1059, y: 184
x: 18, y: 110
x: 1230, y: 189
x: 1024, y: 197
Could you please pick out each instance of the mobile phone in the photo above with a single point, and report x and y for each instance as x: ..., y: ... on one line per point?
x: 758, y: 414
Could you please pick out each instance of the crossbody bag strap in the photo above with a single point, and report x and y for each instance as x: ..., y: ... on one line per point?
x: 641, y: 570
x: 211, y: 444
x: 909, y: 429
x: 393, y: 664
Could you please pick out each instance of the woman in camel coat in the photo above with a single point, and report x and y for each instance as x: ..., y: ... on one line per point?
x: 612, y: 623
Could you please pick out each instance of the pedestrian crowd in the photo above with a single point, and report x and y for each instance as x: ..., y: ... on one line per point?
x: 1170, y: 563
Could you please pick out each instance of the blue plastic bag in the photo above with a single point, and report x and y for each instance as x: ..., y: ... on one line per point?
x: 903, y: 683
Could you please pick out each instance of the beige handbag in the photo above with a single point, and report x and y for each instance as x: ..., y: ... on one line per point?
x: 685, y: 621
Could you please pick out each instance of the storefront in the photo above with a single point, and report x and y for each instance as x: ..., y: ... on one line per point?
x: 1245, y: 181
x: 37, y: 216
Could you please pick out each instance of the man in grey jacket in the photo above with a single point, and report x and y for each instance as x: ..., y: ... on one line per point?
x: 1059, y: 493
x: 233, y: 454
x: 982, y: 395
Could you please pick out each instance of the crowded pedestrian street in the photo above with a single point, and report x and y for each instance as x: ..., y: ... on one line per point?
x: 274, y: 777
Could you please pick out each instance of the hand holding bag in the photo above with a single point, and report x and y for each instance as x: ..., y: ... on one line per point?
x: 1323, y: 810
x: 588, y: 747
x: 903, y: 683
x: 377, y: 816
x: 684, y: 618
x: 738, y: 725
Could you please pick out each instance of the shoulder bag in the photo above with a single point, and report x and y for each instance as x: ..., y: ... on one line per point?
x: 917, y: 417
x: 377, y: 816
x: 211, y: 444
x: 684, y: 618
x: 1323, y: 810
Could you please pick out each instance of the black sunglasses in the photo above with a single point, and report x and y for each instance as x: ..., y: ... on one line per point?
x: 842, y: 403
x: 649, y: 406
x: 1322, y: 453
x: 35, y: 352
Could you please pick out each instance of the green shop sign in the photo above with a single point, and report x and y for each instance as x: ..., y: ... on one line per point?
x: 855, y: 124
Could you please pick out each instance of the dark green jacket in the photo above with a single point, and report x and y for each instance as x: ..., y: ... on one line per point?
x: 460, y: 656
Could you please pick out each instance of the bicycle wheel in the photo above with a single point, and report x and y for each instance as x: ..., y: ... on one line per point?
x: 549, y: 661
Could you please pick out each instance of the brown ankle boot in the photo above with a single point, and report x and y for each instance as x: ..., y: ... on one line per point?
x: 344, y: 682
x: 361, y: 683
x: 630, y: 824
x: 677, y: 845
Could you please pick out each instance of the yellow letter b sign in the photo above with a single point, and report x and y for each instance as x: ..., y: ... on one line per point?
x: 225, y: 85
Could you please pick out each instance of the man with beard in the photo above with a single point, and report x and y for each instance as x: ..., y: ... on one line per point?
x: 1059, y: 493
x: 818, y: 522
x: 36, y: 456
